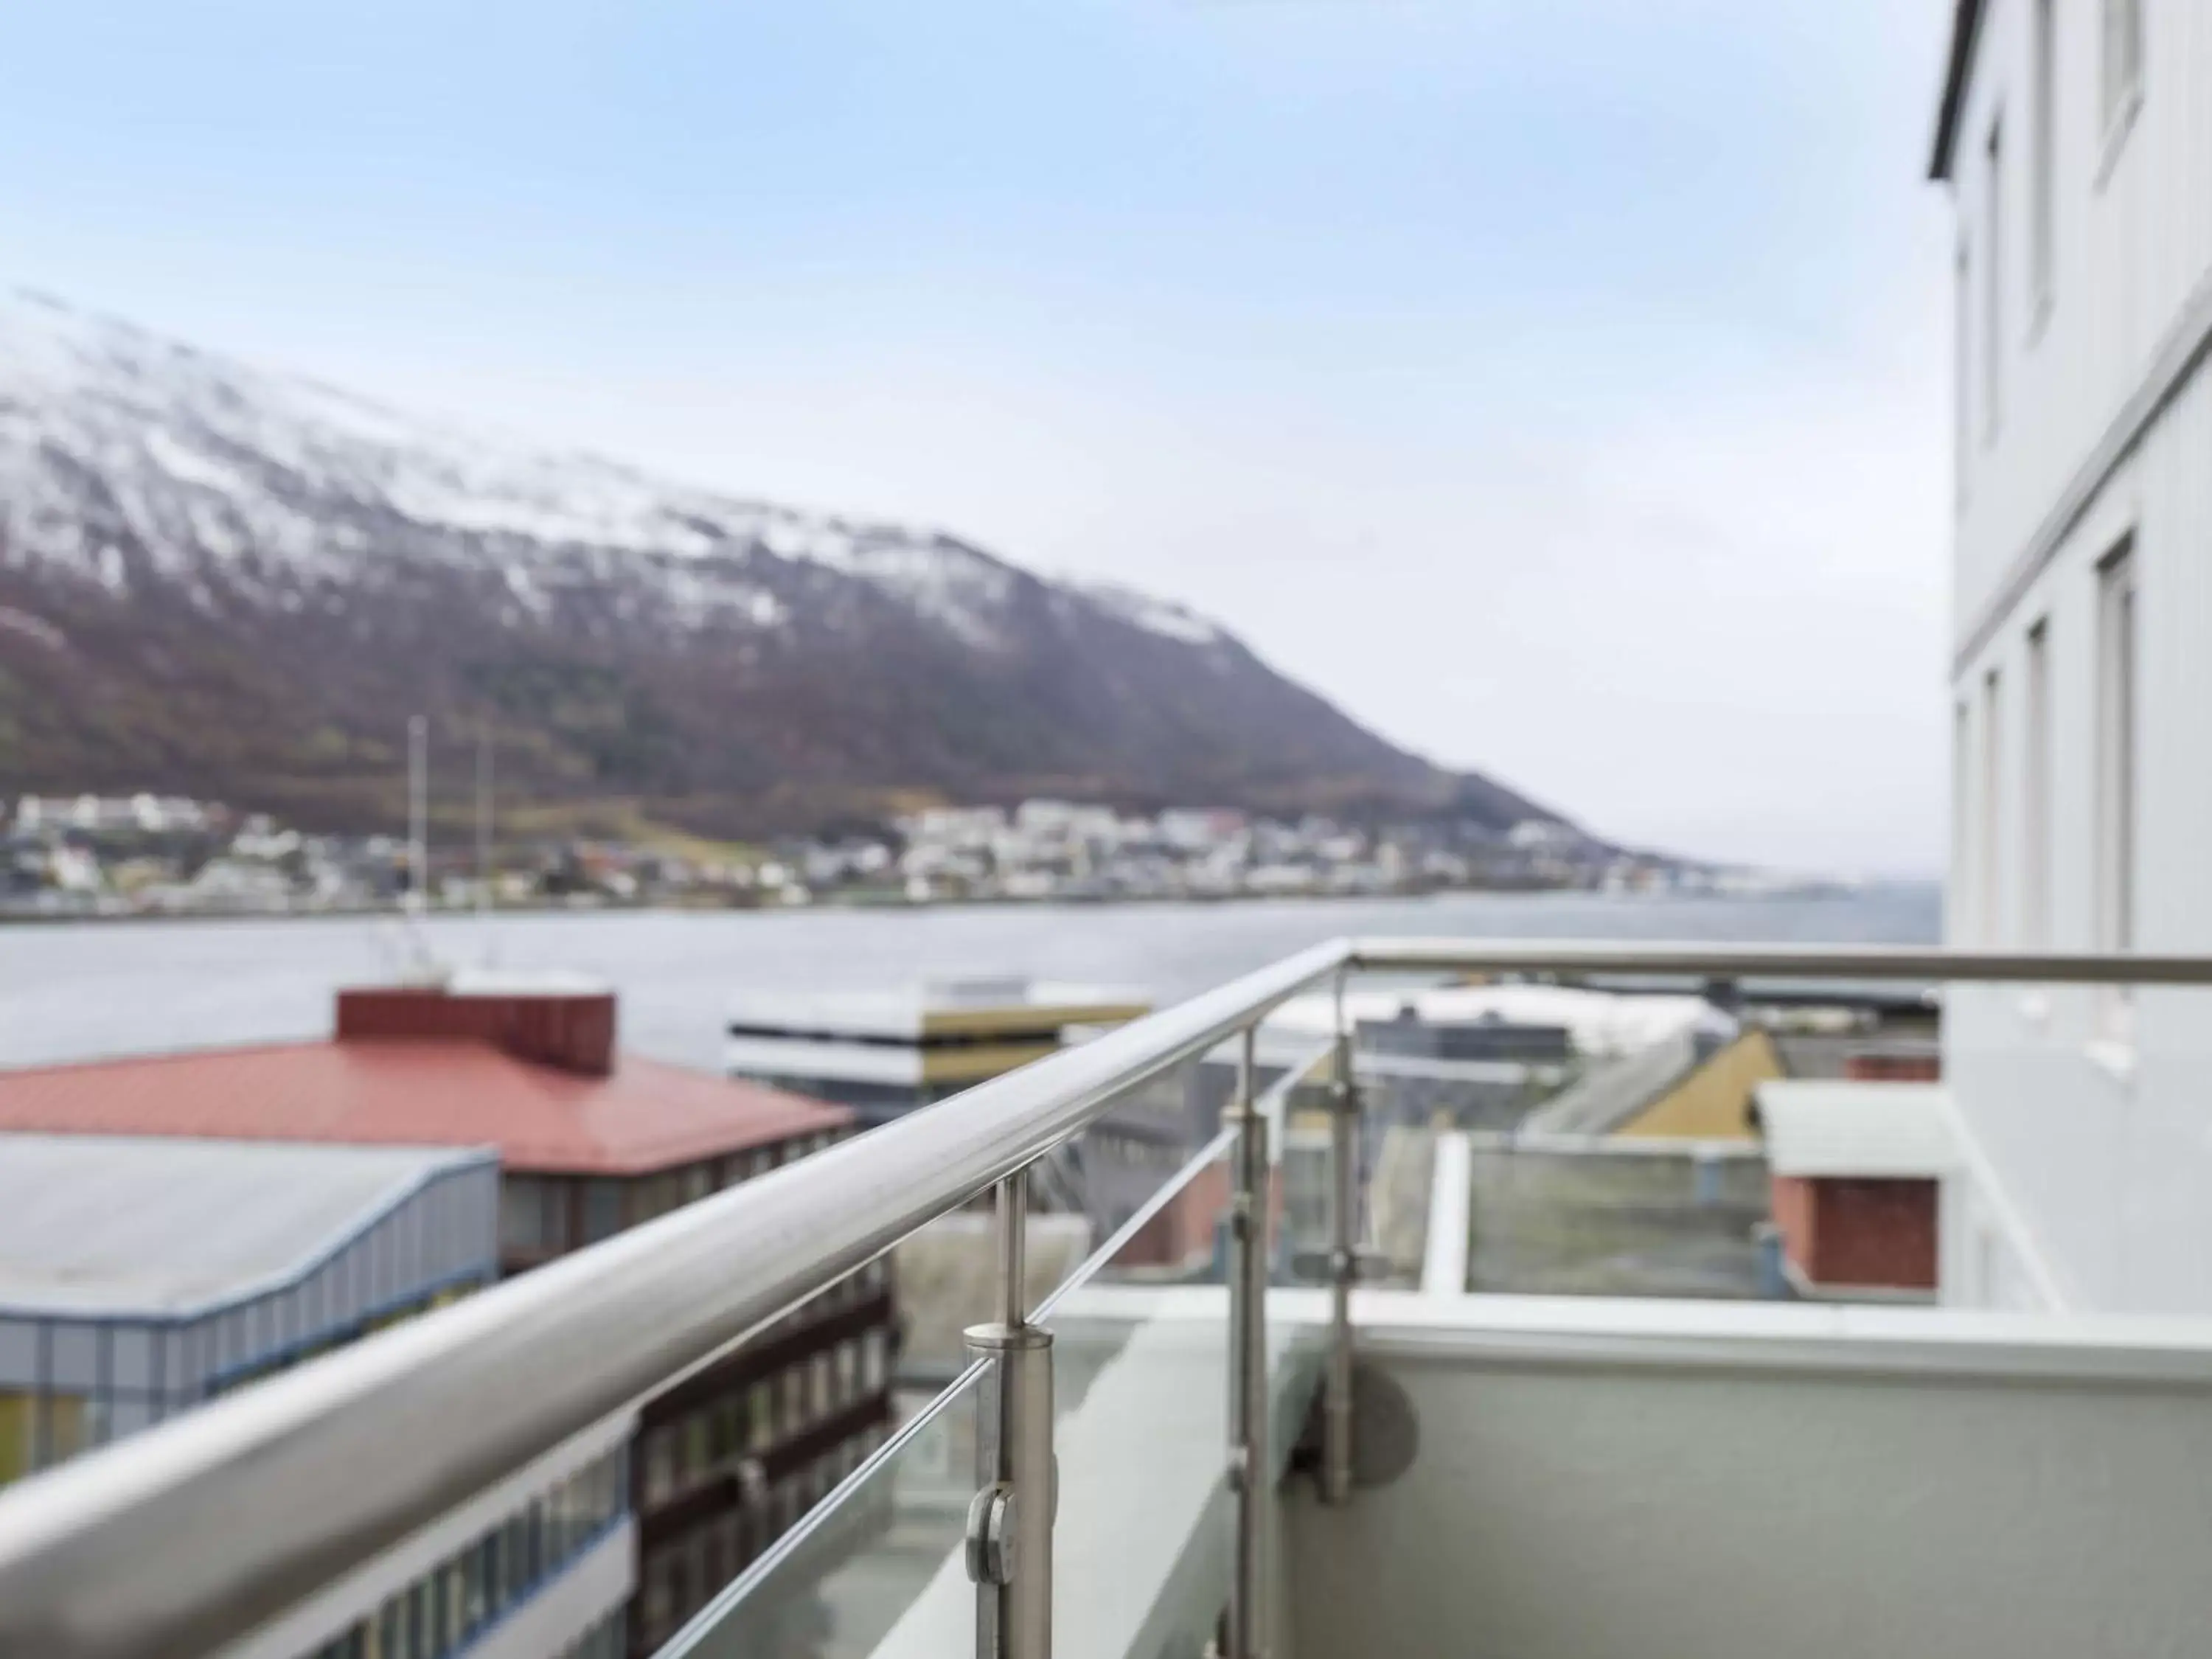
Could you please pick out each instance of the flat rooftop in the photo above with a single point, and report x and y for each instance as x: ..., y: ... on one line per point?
x: 1598, y: 1022
x: 115, y: 1225
x: 1828, y: 1126
x: 936, y: 1008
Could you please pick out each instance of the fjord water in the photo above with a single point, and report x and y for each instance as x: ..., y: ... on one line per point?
x: 80, y: 991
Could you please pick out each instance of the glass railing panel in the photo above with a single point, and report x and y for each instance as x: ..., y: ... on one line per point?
x: 1138, y: 1148
x: 2008, y: 1145
x: 880, y: 1559
x: 729, y: 1459
x: 1081, y: 1193
x: 878, y: 1562
x: 1140, y: 1380
x: 1147, y: 1293
x: 1141, y: 1376
x: 1552, y: 1138
x: 1562, y: 1215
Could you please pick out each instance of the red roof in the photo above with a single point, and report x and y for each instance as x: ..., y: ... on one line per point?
x: 644, y: 1116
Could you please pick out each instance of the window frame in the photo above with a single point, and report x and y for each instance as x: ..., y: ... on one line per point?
x: 1993, y: 330
x: 2036, y: 787
x: 2042, y: 169
x: 1990, y: 820
x: 2119, y: 708
x: 2115, y: 898
x: 1962, y: 371
x: 2120, y: 23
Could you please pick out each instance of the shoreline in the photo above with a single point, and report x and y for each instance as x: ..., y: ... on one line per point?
x: 1811, y: 892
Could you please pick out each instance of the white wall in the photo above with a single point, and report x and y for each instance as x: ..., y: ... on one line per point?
x: 2106, y: 1147
x: 1602, y: 1478
x: 2134, y: 240
x: 2102, y: 1149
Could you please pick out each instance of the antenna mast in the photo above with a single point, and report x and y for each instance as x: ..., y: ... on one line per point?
x: 483, y: 819
x: 418, y: 813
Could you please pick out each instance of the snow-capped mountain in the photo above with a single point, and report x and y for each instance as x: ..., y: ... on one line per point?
x: 224, y: 579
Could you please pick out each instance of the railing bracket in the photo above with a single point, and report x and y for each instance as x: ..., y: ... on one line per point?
x: 992, y: 1526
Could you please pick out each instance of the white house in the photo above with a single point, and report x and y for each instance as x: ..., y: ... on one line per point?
x: 2074, y: 137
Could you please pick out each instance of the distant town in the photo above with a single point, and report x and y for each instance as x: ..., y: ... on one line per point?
x: 98, y: 855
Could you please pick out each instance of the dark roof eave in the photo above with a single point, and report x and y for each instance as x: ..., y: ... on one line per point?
x: 1966, y: 23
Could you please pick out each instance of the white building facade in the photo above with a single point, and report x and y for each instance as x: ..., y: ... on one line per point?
x: 2075, y: 139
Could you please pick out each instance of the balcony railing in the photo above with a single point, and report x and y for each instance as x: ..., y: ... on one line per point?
x: 192, y: 1536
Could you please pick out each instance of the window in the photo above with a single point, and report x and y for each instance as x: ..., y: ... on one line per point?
x: 601, y: 1210
x: 726, y: 1432
x: 761, y: 1409
x: 452, y: 1605
x: 564, y: 1517
x: 2043, y: 229
x: 514, y: 1571
x: 848, y: 1371
x: 480, y: 1581
x: 2116, y: 751
x: 523, y: 1218
x: 533, y: 1542
x: 659, y: 1465
x: 2035, y: 790
x: 655, y: 1195
x: 1993, y: 284
x: 705, y: 1580
x: 659, y: 1600
x: 1988, y: 860
x: 2123, y: 59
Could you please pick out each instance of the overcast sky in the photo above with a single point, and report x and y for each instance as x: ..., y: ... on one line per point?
x: 1560, y: 388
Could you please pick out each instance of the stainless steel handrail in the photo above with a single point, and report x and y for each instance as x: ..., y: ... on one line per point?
x: 1813, y: 962
x: 189, y: 1536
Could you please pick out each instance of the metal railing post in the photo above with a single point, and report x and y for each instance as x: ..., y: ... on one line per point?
x: 1010, y: 1519
x: 1343, y: 1265
x: 1247, y: 1357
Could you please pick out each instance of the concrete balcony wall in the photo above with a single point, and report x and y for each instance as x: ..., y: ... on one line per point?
x: 1661, y: 1478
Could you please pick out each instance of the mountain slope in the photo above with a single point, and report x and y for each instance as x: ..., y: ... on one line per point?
x: 235, y: 583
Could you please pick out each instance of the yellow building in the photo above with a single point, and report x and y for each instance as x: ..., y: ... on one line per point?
x: 1713, y: 1100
